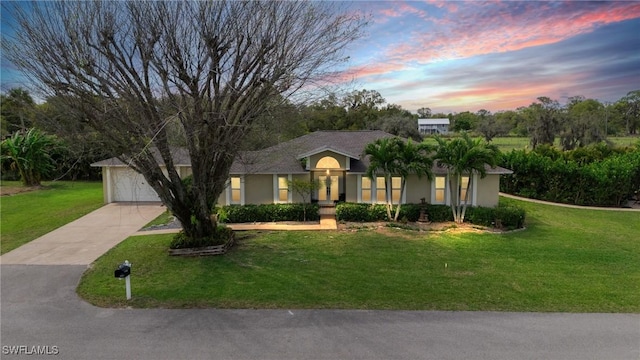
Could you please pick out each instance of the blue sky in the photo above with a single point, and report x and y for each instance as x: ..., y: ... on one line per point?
x: 454, y: 56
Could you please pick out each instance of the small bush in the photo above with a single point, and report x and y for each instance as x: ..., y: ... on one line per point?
x: 439, y: 213
x: 221, y: 235
x: 481, y: 216
x: 361, y: 212
x: 509, y: 217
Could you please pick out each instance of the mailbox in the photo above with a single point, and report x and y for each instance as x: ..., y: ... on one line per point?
x: 123, y: 270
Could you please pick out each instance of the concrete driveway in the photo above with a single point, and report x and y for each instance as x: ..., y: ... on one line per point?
x: 82, y: 241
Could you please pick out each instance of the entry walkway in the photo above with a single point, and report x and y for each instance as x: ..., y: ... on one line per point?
x: 326, y: 223
x: 84, y: 240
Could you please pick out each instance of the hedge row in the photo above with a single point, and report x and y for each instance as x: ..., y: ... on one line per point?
x: 571, y: 179
x: 267, y: 213
x: 504, y: 216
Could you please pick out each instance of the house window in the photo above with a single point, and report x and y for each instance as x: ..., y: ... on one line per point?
x: 440, y: 188
x: 366, y: 189
x: 464, y: 183
x: 283, y: 189
x: 381, y: 195
x: 396, y: 187
x: 328, y: 162
x: 236, y: 197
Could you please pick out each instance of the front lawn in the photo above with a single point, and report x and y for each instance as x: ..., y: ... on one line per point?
x: 25, y: 216
x: 569, y: 260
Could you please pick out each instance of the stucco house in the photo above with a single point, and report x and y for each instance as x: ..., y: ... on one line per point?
x: 334, y: 158
x: 433, y: 126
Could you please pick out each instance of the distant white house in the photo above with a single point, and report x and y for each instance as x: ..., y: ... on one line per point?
x: 433, y: 126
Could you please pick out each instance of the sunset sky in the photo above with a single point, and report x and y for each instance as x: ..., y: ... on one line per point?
x: 457, y: 56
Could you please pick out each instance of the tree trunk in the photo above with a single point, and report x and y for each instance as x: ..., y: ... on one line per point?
x: 387, y: 190
x: 402, y: 187
x: 466, y: 199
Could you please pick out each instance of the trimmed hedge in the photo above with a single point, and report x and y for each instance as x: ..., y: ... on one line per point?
x: 266, y: 213
x: 588, y: 176
x: 504, y: 216
x: 509, y: 217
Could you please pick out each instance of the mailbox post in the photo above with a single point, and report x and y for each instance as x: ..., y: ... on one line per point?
x: 124, y: 271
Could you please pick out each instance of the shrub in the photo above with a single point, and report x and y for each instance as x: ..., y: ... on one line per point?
x: 266, y: 213
x: 481, y: 216
x: 360, y: 212
x: 509, y: 217
x: 439, y: 213
x: 596, y: 175
x: 221, y: 235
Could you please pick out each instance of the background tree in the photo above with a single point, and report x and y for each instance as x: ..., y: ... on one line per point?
x: 584, y: 123
x: 464, y: 121
x: 630, y: 106
x: 325, y: 114
x: 17, y: 111
x: 29, y: 153
x: 544, y: 118
x: 362, y: 108
x: 490, y: 126
x: 464, y: 156
x: 83, y: 145
x: 424, y: 113
x: 281, y: 122
x: 213, y: 67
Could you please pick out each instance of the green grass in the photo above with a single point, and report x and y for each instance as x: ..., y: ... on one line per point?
x: 570, y: 260
x: 29, y: 215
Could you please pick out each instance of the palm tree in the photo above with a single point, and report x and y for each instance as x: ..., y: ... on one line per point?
x: 464, y: 156
x: 383, y: 155
x: 412, y: 158
x: 395, y: 157
x: 30, y: 154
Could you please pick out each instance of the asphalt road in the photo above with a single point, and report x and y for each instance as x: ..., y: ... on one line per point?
x: 39, y: 307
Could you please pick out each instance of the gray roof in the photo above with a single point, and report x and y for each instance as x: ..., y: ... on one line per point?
x: 180, y: 158
x: 285, y: 158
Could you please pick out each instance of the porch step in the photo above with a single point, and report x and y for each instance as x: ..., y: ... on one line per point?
x: 327, y: 210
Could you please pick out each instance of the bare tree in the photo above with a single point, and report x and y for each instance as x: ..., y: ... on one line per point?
x: 211, y: 66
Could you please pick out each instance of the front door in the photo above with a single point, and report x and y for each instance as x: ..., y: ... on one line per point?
x: 329, y: 188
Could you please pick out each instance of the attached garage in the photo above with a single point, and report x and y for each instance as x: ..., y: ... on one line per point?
x: 121, y: 183
x: 127, y: 185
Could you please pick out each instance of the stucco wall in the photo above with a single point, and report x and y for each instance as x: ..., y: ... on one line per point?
x: 417, y: 188
x: 258, y: 189
x: 488, y: 189
x: 352, y: 188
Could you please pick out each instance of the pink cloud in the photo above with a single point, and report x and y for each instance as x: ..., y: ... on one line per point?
x: 477, y: 31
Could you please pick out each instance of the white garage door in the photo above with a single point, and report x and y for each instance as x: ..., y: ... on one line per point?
x: 128, y: 185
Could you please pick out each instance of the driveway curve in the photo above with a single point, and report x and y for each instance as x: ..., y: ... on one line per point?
x: 84, y: 240
x: 636, y: 207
